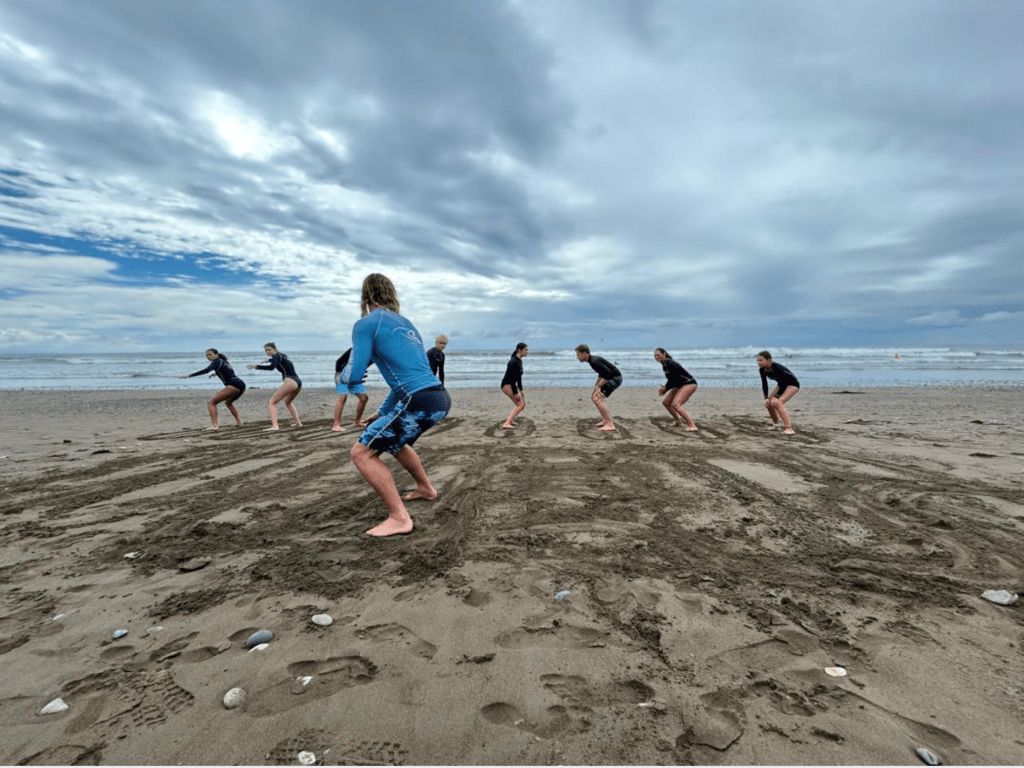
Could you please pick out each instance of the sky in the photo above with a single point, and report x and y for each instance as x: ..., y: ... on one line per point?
x: 714, y: 173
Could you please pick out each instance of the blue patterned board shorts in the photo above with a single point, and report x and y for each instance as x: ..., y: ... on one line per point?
x: 611, y: 385
x: 407, y: 420
x: 349, y: 389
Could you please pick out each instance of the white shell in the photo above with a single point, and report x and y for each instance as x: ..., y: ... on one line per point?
x: 132, y: 554
x: 118, y: 633
x: 57, y: 705
x: 1000, y: 596
x: 234, y: 698
x: 835, y: 671
x: 306, y: 758
x: 322, y: 619
x: 260, y: 647
x: 304, y: 681
x: 58, y: 617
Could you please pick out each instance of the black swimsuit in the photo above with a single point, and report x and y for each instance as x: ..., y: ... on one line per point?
x: 514, y: 374
x: 224, y: 372
x: 781, y: 374
x: 676, y: 374
x: 280, y: 362
x: 436, y: 359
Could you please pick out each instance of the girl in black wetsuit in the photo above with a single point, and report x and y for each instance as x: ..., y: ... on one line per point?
x: 233, y: 386
x: 783, y: 391
x: 512, y: 384
x: 678, y: 388
x: 290, y: 387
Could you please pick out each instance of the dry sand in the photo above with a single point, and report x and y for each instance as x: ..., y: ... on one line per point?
x: 712, y: 578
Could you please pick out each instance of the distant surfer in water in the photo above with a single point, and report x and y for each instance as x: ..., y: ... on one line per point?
x: 512, y: 384
x: 782, y: 393
x: 679, y: 386
x: 233, y: 389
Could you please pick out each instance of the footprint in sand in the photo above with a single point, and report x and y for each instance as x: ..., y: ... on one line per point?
x: 552, y: 722
x: 399, y: 634
x: 331, y: 750
x: 326, y: 679
x: 579, y: 692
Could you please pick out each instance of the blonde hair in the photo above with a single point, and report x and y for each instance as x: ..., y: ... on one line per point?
x: 380, y: 291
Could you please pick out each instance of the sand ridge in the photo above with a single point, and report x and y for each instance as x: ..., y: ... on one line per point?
x: 712, y: 577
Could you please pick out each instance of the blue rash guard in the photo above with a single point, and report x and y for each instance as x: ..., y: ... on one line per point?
x: 280, y: 362
x: 676, y: 375
x: 779, y: 373
x: 224, y: 372
x: 393, y: 344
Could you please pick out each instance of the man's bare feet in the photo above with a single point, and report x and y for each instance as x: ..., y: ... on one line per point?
x: 271, y: 429
x: 420, y: 493
x: 211, y: 428
x: 392, y: 527
x: 789, y: 431
x: 337, y: 428
x: 607, y: 428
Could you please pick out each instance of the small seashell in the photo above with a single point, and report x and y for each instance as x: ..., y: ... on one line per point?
x: 260, y: 647
x: 322, y: 620
x: 132, y: 554
x: 58, y: 617
x: 57, y: 705
x: 234, y: 698
x: 119, y: 633
x: 154, y: 630
x: 259, y: 638
x: 929, y: 757
x: 299, y: 686
x: 835, y: 671
x: 562, y: 595
x: 306, y: 758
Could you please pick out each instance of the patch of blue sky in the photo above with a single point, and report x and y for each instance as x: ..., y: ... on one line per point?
x: 139, y: 266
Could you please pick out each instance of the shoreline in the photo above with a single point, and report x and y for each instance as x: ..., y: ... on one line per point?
x: 712, y: 577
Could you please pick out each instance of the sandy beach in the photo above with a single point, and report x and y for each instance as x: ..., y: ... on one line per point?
x: 711, y: 578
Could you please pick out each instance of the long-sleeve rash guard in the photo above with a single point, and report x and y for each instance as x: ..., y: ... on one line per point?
x: 604, y: 369
x: 280, y: 362
x: 779, y: 373
x: 436, y: 359
x: 675, y: 374
x: 514, y: 374
x: 390, y: 341
x: 224, y: 372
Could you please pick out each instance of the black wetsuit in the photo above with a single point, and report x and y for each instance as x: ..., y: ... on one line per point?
x: 280, y: 362
x: 436, y: 359
x: 341, y: 362
x: 606, y: 371
x: 514, y: 374
x: 780, y: 374
x: 224, y: 372
x: 676, y: 374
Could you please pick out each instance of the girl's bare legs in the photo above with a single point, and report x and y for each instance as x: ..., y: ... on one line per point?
x: 228, y: 393
x: 681, y: 396
x: 519, y: 404
x: 667, y: 402
x: 381, y: 480
x: 776, y: 406
x: 339, y: 407
x: 286, y: 392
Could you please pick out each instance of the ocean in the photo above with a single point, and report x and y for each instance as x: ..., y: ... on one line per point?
x: 834, y: 367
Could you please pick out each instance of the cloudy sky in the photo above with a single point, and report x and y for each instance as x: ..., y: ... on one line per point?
x: 177, y: 175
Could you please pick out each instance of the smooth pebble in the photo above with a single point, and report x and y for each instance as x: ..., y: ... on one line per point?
x: 562, y: 595
x: 323, y: 620
x: 929, y: 757
x: 119, y: 633
x: 306, y: 758
x: 234, y: 698
x: 57, y: 705
x: 259, y: 638
x: 1000, y: 596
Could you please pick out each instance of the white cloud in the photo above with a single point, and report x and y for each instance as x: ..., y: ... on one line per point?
x: 942, y: 318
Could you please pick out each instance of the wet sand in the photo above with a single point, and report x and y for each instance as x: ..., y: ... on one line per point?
x: 712, y: 577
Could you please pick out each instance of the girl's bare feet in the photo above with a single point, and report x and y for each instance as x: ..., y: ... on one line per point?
x: 271, y: 429
x: 788, y: 431
x: 607, y: 428
x: 392, y: 527
x: 420, y: 493
x: 508, y: 426
x: 337, y: 428
x: 211, y: 428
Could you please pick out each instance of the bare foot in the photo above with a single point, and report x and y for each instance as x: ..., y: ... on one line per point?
x: 426, y: 495
x: 359, y: 423
x: 607, y: 428
x: 296, y: 425
x: 212, y: 428
x: 678, y: 424
x: 692, y: 429
x: 508, y: 426
x: 392, y: 527
x: 789, y: 431
x: 270, y: 429
x: 337, y: 428
x: 238, y: 424
x: 774, y: 428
